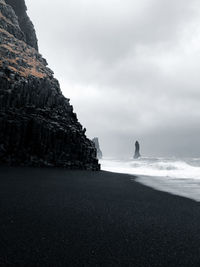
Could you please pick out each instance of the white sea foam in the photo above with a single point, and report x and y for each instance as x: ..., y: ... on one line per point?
x: 176, y: 176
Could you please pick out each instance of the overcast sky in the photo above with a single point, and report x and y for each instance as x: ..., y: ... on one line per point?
x: 130, y: 67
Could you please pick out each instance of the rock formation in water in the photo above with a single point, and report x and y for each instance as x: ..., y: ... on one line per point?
x: 37, y: 124
x: 137, y: 150
x: 96, y: 143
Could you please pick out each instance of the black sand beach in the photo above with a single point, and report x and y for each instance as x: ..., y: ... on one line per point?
x: 52, y: 217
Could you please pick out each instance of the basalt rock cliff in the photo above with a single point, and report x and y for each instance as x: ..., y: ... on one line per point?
x: 37, y: 124
x: 96, y: 143
x: 137, y: 150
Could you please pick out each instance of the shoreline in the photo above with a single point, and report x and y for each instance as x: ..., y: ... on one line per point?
x: 80, y: 218
x: 175, y: 187
x: 139, y: 179
x: 183, y: 187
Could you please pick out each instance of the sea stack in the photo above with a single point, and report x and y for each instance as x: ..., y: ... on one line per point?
x: 97, y: 146
x: 37, y: 124
x: 137, y: 150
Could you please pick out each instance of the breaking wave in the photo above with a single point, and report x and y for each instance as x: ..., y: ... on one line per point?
x: 172, y: 175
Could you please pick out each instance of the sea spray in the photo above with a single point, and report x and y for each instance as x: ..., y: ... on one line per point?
x: 177, y: 176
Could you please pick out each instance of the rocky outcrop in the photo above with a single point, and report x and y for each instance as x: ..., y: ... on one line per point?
x: 137, y: 150
x: 25, y: 23
x: 96, y: 143
x: 37, y: 124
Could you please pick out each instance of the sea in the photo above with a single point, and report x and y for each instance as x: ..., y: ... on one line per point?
x: 178, y: 176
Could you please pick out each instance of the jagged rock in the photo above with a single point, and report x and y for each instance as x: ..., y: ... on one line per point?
x: 96, y: 143
x: 25, y: 23
x: 137, y: 150
x: 37, y: 124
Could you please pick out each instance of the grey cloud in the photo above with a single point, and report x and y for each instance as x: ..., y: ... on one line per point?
x: 131, y: 69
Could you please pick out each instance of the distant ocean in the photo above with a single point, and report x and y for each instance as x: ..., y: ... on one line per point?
x: 179, y: 176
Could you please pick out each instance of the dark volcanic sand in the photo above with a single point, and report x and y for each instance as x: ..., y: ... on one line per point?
x: 51, y: 217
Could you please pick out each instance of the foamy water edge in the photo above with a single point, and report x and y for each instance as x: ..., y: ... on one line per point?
x: 180, y: 186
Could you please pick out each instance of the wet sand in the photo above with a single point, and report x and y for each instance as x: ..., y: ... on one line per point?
x: 54, y: 217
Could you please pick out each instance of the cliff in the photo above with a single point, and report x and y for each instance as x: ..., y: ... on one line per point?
x: 96, y: 143
x: 37, y: 124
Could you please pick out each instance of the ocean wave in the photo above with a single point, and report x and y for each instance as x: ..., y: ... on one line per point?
x: 175, y: 176
x: 162, y: 167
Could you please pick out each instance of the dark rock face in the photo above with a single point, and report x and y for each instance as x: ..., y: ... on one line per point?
x: 96, y: 143
x: 25, y: 23
x: 37, y: 124
x: 137, y: 150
